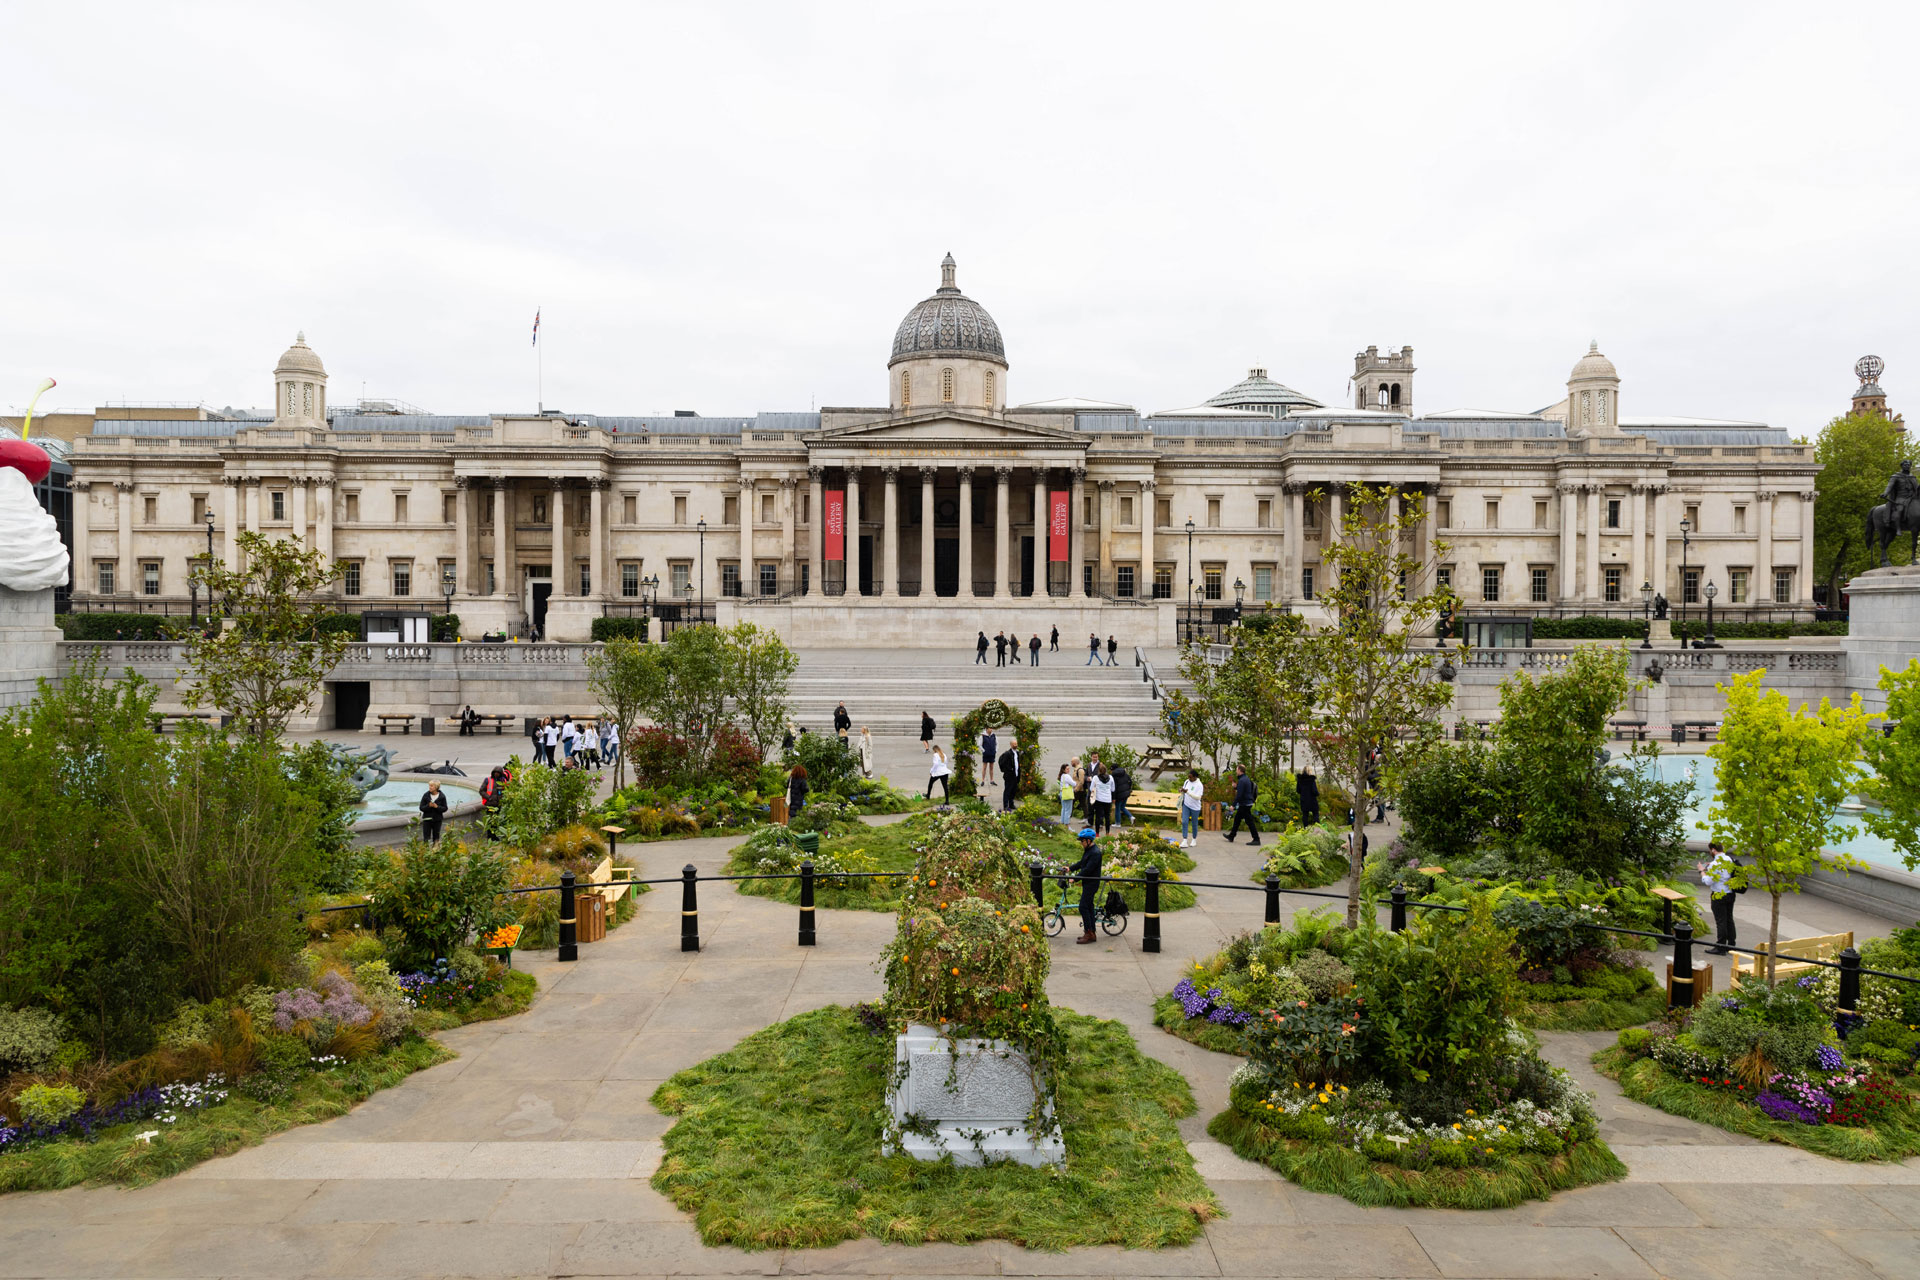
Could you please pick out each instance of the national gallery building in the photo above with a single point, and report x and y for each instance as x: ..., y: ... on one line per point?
x: 947, y: 510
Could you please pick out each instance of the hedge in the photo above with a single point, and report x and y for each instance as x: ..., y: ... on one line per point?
x: 1692, y: 628
x: 620, y: 629
x: 117, y: 626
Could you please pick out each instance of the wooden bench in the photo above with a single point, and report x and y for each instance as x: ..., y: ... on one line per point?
x: 173, y: 719
x: 1705, y: 728
x: 1155, y: 804
x: 404, y: 721
x: 1628, y: 728
x: 1826, y: 946
x: 499, y: 721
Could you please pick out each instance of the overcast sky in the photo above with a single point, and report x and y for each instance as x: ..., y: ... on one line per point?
x: 729, y: 207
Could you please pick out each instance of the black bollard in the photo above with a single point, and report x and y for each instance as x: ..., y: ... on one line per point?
x: 1397, y: 917
x: 689, y: 910
x: 1039, y: 892
x: 1150, y: 928
x: 806, y: 903
x: 1273, y: 899
x: 1849, y: 1001
x: 569, y: 927
x: 1680, y: 989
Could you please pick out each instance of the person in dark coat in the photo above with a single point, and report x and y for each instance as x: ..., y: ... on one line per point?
x: 989, y: 752
x: 842, y: 723
x: 1122, y: 788
x: 926, y: 732
x: 1013, y: 647
x: 1053, y: 641
x: 1307, y: 788
x: 1010, y: 777
x: 1113, y: 648
x: 796, y: 790
x: 980, y: 650
x: 1088, y: 869
x: 433, y: 811
x: 468, y: 719
x: 1000, y: 649
x: 1033, y: 649
x: 1243, y: 797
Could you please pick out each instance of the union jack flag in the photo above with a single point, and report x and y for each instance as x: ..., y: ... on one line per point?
x: 536, y: 328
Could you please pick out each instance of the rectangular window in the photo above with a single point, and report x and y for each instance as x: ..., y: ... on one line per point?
x: 729, y: 578
x: 449, y: 508
x: 1539, y: 591
x: 769, y: 579
x: 1693, y: 518
x: 150, y: 510
x: 629, y: 580
x: 806, y: 576
x: 199, y: 508
x: 1213, y: 580
x: 586, y: 577
x: 630, y: 509
x: 766, y: 508
x: 1403, y: 584
x: 1490, y: 584
x: 680, y: 578
x: 1126, y: 510
x: 1493, y: 514
x: 1613, y: 513
x: 679, y: 508
x: 403, y: 577
x: 1263, y: 582
x: 1737, y: 586
x: 1310, y: 513
x: 1739, y: 519
x: 1443, y: 577
x: 350, y: 578
x: 1783, y: 586
x: 1086, y: 509
x: 1086, y: 578
x: 806, y: 508
x: 486, y: 508
x: 104, y: 572
x: 493, y: 584
x: 399, y: 508
x: 353, y: 508
x: 730, y: 509
x: 1690, y: 587
x: 1613, y: 584
x: 1163, y: 582
x: 1539, y: 514
x: 1306, y: 583
x: 149, y: 578
x: 1444, y: 513
x: 1123, y: 581
x: 1263, y: 513
x: 1213, y: 513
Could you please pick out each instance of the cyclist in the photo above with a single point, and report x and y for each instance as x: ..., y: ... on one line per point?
x: 1088, y: 869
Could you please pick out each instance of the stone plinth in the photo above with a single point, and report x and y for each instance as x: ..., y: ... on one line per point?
x: 1883, y: 628
x: 1661, y: 633
x: 29, y: 644
x: 976, y: 1095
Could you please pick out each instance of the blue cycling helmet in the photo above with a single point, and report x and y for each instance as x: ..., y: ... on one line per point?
x: 1087, y: 833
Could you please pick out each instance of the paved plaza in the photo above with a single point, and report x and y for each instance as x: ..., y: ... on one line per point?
x: 529, y: 1154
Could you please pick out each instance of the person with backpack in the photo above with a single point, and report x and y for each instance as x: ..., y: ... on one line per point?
x: 926, y: 732
x: 1244, y: 793
x: 980, y: 650
x: 1093, y: 650
x: 1088, y: 869
x: 1306, y: 788
x: 1122, y: 788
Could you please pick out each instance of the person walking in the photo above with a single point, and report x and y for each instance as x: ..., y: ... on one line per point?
x: 1122, y: 788
x: 1113, y: 649
x: 1000, y: 649
x: 842, y: 723
x: 1307, y: 789
x: 1009, y: 778
x: 569, y: 737
x: 1053, y: 640
x: 539, y: 736
x: 989, y: 752
x: 1192, y: 800
x: 1717, y: 874
x: 937, y: 771
x: 796, y: 791
x: 1033, y: 650
x: 866, y: 753
x: 1064, y: 785
x: 552, y: 738
x: 610, y: 741
x: 433, y: 811
x: 1243, y: 796
x: 926, y: 732
x: 1093, y: 650
x: 1101, y: 787
x: 980, y: 650
x: 1088, y: 869
x: 1013, y: 647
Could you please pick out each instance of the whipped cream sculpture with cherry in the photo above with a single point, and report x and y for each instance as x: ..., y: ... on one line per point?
x: 32, y: 557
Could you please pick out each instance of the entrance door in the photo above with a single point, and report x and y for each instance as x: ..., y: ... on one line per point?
x: 866, y: 564
x: 946, y: 566
x: 1026, y: 566
x: 538, y: 589
x: 351, y: 698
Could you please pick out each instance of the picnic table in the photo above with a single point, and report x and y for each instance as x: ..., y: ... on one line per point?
x: 1161, y: 758
x: 1636, y: 729
x: 1705, y: 728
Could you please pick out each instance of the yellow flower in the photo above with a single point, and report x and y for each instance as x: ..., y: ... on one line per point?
x: 1469, y: 1110
x: 1456, y: 1126
x: 1503, y: 1128
x: 1325, y: 1098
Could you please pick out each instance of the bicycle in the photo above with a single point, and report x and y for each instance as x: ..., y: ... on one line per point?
x: 1056, y: 920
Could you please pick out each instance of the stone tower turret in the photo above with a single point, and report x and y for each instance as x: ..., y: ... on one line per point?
x: 1383, y: 381
x: 1593, y: 396
x: 300, y: 387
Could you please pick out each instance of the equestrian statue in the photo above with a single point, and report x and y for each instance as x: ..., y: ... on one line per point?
x: 1898, y: 513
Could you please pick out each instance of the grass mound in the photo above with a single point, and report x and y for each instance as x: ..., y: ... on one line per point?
x: 1645, y: 1080
x: 1595, y: 1013
x: 778, y: 1146
x: 1323, y: 1166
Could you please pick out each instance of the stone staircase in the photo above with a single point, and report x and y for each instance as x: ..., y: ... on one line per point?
x: 886, y: 690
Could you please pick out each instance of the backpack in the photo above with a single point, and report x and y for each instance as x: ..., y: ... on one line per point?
x: 1116, y: 905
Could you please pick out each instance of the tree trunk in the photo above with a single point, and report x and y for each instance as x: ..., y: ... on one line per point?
x: 1356, y: 821
x: 1773, y: 941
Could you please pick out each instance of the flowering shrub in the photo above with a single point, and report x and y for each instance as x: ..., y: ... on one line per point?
x: 315, y: 1015
x: 1210, y: 1004
x: 1318, y: 1039
x: 166, y: 1103
x: 458, y: 984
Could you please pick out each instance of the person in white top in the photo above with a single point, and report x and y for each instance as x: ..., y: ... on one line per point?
x: 866, y: 752
x: 569, y: 737
x: 550, y: 738
x: 1191, y: 792
x: 937, y: 771
x: 1066, y: 794
x: 1100, y: 792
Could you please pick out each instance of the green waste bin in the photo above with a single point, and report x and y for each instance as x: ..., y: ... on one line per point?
x: 809, y: 843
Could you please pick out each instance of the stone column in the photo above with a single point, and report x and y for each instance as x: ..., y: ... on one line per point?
x: 562, y: 563
x: 253, y: 504
x: 1296, y: 517
x: 890, y: 532
x: 1762, y: 589
x: 1592, y: 572
x: 1077, y: 534
x: 789, y: 500
x: 123, y: 502
x: 1336, y: 512
x: 1042, y: 525
x: 80, y: 577
x: 966, y: 533
x: 1106, y: 536
x: 323, y: 517
x: 1659, y: 565
x: 1803, y: 578
x: 1002, y: 530
x: 816, y: 531
x: 503, y: 538
x: 1636, y: 531
x: 1569, y: 544
x: 298, y: 484
x: 462, y: 550
x: 1149, y: 512
x: 926, y: 533
x: 597, y: 536
x: 230, y: 545
x: 853, y: 532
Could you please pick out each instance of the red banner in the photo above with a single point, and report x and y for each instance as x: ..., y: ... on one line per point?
x: 836, y: 515
x: 1057, y: 525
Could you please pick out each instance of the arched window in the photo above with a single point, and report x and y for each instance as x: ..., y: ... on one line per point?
x: 906, y: 389
x: 1383, y: 395
x: 1396, y: 395
x: 989, y: 388
x: 946, y: 386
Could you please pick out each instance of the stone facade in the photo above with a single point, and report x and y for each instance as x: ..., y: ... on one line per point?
x: 551, y: 519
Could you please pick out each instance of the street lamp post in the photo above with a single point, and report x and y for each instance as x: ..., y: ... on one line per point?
x: 701, y: 605
x: 1686, y: 527
x: 193, y: 586
x: 1646, y: 612
x: 447, y: 587
x: 1239, y: 597
x: 1189, y: 580
x: 1710, y: 642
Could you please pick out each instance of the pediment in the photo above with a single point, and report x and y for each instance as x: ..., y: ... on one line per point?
x: 947, y: 428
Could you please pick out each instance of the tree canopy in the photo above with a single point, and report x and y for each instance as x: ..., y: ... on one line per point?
x: 1894, y: 785
x: 1857, y: 453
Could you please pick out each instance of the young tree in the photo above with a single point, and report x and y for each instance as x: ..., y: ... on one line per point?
x: 625, y: 676
x: 1373, y: 678
x: 1270, y: 679
x: 1197, y: 719
x: 265, y: 664
x: 1857, y: 453
x: 696, y: 667
x: 1782, y: 778
x: 1894, y: 756
x: 1557, y: 725
x: 762, y: 667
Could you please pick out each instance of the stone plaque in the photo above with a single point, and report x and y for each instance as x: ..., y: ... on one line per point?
x: 983, y: 1087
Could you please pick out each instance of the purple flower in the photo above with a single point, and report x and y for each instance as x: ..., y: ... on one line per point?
x: 1829, y: 1058
x: 1782, y: 1108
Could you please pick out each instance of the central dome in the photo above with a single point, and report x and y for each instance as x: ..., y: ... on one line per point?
x: 948, y: 324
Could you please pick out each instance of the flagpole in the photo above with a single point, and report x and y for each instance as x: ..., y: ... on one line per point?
x: 540, y: 363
